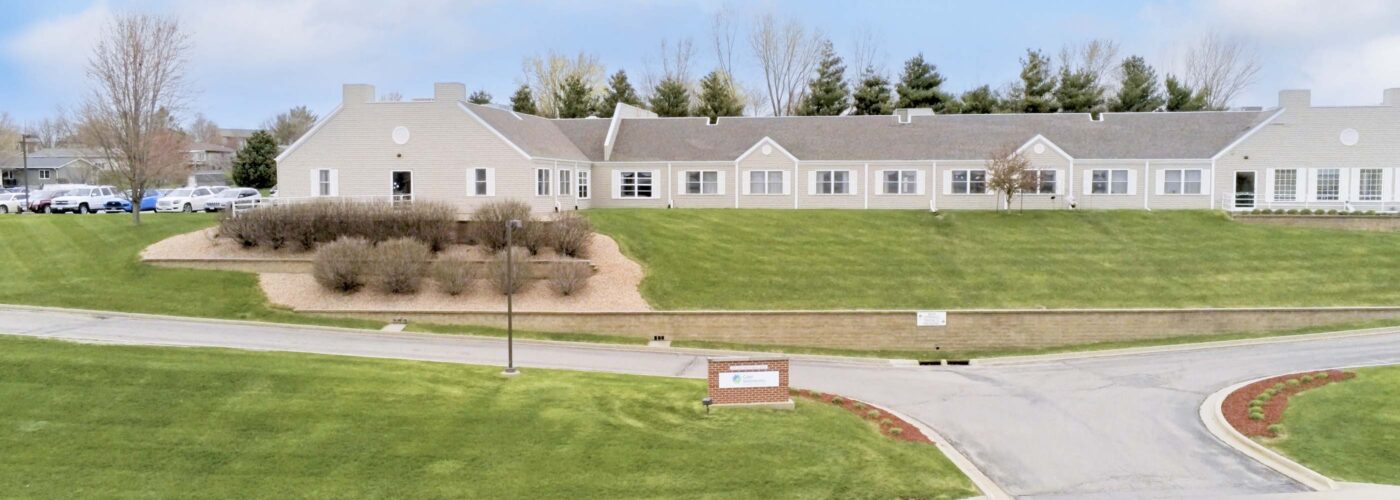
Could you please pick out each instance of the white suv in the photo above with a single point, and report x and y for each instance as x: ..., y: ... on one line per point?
x: 84, y: 200
x: 184, y: 200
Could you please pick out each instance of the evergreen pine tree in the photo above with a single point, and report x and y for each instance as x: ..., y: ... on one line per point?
x: 1079, y: 92
x: 619, y: 91
x: 255, y: 165
x: 717, y: 97
x: 575, y: 99
x: 920, y: 86
x: 480, y: 97
x: 670, y: 99
x: 980, y: 101
x: 523, y: 101
x: 827, y: 94
x: 1139, y: 90
x: 1033, y: 93
x: 872, y: 96
x: 1180, y: 97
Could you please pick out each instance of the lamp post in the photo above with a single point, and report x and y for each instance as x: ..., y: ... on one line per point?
x: 511, y: 226
x: 24, y: 150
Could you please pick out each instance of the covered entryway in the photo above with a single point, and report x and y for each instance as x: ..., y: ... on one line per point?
x: 1244, y: 189
x: 402, y: 187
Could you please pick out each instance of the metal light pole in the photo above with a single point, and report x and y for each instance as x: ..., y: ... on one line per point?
x: 511, y: 226
x: 24, y: 149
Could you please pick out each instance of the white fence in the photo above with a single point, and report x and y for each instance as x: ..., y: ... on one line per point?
x: 246, y: 204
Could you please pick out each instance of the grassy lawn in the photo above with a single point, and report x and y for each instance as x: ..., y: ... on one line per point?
x: 110, y: 421
x: 1348, y: 431
x: 853, y: 259
x: 92, y: 262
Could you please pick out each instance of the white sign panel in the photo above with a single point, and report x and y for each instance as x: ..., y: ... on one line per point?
x: 931, y: 318
x: 740, y: 380
x: 748, y: 367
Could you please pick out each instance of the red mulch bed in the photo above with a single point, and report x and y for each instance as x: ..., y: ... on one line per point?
x: 884, y: 420
x: 1236, y: 405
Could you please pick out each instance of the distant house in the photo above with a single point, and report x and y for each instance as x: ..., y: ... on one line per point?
x: 235, y: 138
x: 53, y: 166
x: 208, y: 164
x: 1295, y: 155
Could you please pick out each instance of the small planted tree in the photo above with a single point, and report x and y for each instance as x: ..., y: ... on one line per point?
x: 255, y: 165
x: 1008, y: 175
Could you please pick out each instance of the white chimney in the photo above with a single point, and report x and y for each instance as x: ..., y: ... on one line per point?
x: 449, y: 91
x: 1392, y: 97
x: 1296, y: 99
x: 355, y: 94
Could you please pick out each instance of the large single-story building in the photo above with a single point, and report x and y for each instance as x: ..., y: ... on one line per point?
x: 442, y: 148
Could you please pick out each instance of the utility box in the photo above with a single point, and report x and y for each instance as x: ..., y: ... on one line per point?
x: 760, y: 382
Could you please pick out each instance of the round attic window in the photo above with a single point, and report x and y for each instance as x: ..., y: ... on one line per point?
x: 1350, y: 137
x: 1039, y: 148
x: 767, y: 150
x: 400, y: 135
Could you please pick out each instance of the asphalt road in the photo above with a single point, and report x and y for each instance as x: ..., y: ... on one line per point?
x: 1098, y: 427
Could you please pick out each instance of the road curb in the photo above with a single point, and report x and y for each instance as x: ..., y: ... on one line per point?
x: 990, y: 489
x: 1213, y: 416
x: 1192, y: 346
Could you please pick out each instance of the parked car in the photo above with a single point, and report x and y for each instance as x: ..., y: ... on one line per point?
x: 184, y: 200
x: 12, y: 203
x: 218, y: 189
x: 148, y: 201
x: 39, y: 201
x: 222, y: 200
x: 84, y: 200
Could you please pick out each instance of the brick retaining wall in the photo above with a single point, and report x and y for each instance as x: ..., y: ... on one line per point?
x: 895, y: 330
x: 1352, y: 222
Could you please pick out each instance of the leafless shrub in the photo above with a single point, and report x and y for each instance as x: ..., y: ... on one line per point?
x: 502, y: 279
x: 341, y: 265
x: 569, y: 276
x: 488, y: 225
x: 401, y: 264
x: 303, y: 226
x: 239, y: 229
x: 570, y: 234
x: 453, y: 275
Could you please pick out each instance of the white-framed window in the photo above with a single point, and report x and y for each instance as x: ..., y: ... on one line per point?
x: 635, y: 185
x: 833, y: 182
x: 1181, y: 182
x: 901, y: 181
x: 323, y: 182
x: 199, y: 156
x: 1329, y: 184
x: 765, y: 182
x: 702, y: 182
x: 1369, y: 182
x: 479, y: 182
x: 1108, y: 182
x: 583, y: 186
x: 565, y: 182
x: 1045, y: 181
x: 542, y: 182
x: 969, y: 182
x: 1286, y: 184
x: 45, y: 174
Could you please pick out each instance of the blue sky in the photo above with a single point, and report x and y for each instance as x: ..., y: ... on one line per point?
x: 253, y: 58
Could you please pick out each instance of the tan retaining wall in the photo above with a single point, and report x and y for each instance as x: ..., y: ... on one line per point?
x: 1352, y: 222
x: 304, y: 266
x: 895, y: 330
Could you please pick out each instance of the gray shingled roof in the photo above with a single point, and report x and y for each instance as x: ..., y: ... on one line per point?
x: 38, y: 162
x: 537, y: 136
x: 940, y: 137
x: 587, y: 133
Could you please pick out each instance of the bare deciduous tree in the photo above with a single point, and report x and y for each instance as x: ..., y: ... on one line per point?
x: 1221, y: 67
x: 1008, y: 175
x: 724, y: 32
x: 137, y: 71
x: 1097, y: 57
x: 391, y: 96
x: 787, y: 54
x: 202, y: 129
x: 53, y: 131
x: 866, y: 51
x: 9, y: 138
x: 675, y: 62
x: 546, y: 76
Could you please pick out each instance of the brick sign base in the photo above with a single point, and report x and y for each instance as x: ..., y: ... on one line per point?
x: 749, y: 381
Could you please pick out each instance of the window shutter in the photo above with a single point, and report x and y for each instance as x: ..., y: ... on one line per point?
x: 656, y: 184
x: 1387, y: 181
x: 720, y: 179
x: 680, y: 181
x: 1088, y: 182
x: 787, y: 181
x: 746, y: 182
x: 1348, y: 190
x: 616, y: 184
x: 947, y: 182
x: 1161, y: 180
x: 1206, y: 180
x: 1132, y: 181
x: 812, y: 182
x: 1268, y: 184
x: 490, y: 182
x: 855, y: 187
x: 335, y: 182
x: 315, y: 182
x: 919, y: 181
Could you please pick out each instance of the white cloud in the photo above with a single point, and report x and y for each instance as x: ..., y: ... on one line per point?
x: 1354, y: 75
x: 54, y: 52
x: 1304, y: 22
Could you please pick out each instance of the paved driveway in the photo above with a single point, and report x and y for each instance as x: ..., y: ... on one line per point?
x: 1111, y: 427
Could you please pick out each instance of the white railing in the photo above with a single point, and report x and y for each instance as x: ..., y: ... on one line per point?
x: 246, y: 204
x: 1235, y: 203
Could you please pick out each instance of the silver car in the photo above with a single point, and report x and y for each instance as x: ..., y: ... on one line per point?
x: 221, y: 201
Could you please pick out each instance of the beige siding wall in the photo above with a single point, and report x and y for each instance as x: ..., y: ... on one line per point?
x: 881, y: 197
x: 1158, y: 199
x: 444, y: 144
x: 775, y: 160
x: 1309, y: 138
x: 724, y: 198
x: 1047, y: 159
x: 557, y: 198
x: 949, y: 201
x: 806, y: 189
x: 605, y: 189
x: 1086, y: 200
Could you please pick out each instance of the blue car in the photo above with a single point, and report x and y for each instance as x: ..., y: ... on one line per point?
x: 148, y: 202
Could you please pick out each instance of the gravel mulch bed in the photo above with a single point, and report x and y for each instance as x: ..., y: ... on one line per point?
x: 889, y: 425
x: 1236, y: 406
